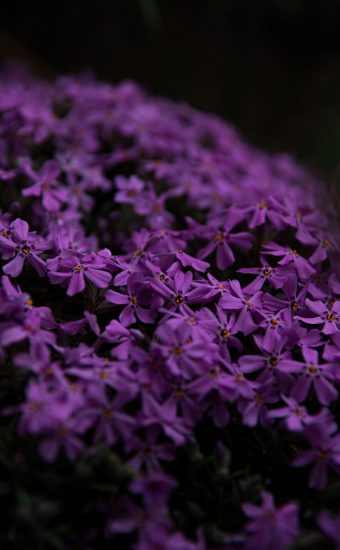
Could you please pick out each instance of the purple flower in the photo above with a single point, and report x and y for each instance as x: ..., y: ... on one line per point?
x: 290, y: 257
x: 21, y: 244
x: 184, y: 355
x: 31, y: 329
x: 73, y: 270
x: 270, y: 210
x: 128, y: 189
x: 270, y: 527
x: 276, y: 276
x: 324, y: 454
x: 295, y: 416
x: 135, y: 300
x: 330, y: 526
x: 327, y: 315
x: 46, y: 185
x: 249, y: 307
x: 222, y: 239
x: 316, y: 375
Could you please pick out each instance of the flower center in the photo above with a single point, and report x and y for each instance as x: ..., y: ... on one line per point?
x: 298, y: 411
x: 133, y: 300
x: 62, y: 430
x: 36, y: 406
x: 5, y: 233
x: 262, y: 204
x: 29, y: 302
x: 267, y: 272
x: 103, y: 375
x: 258, y: 400
x: 239, y: 378
x: 248, y: 304
x: 178, y: 350
x: 330, y: 316
x: 322, y: 455
x: 107, y: 413
x: 179, y: 299
x: 274, y: 361
x: 179, y: 393
x: 326, y: 243
x: 294, y: 306
x: 225, y: 334
x: 219, y: 236
x: 138, y: 252
x: 312, y: 369
x: 148, y: 452
x: 274, y: 322
x: 157, y: 208
x: 48, y: 372
x: 78, y: 267
x: 293, y: 252
x: 25, y: 249
x: 214, y: 373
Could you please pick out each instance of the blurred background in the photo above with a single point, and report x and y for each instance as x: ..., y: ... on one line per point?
x: 271, y: 67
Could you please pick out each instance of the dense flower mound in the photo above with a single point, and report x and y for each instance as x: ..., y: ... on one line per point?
x: 169, y: 328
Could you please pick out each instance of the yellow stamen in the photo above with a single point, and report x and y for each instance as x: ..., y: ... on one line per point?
x: 25, y: 249
x: 312, y: 369
x: 330, y: 316
x: 322, y: 455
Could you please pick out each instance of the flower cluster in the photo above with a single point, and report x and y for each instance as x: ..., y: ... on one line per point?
x: 159, y: 273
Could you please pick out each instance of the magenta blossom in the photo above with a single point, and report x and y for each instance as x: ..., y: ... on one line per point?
x: 73, y: 270
x: 270, y: 527
x: 17, y: 241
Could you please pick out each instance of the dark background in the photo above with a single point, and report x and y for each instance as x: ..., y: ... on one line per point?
x: 271, y: 67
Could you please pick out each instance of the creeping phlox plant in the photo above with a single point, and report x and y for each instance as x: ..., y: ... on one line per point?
x: 169, y: 329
